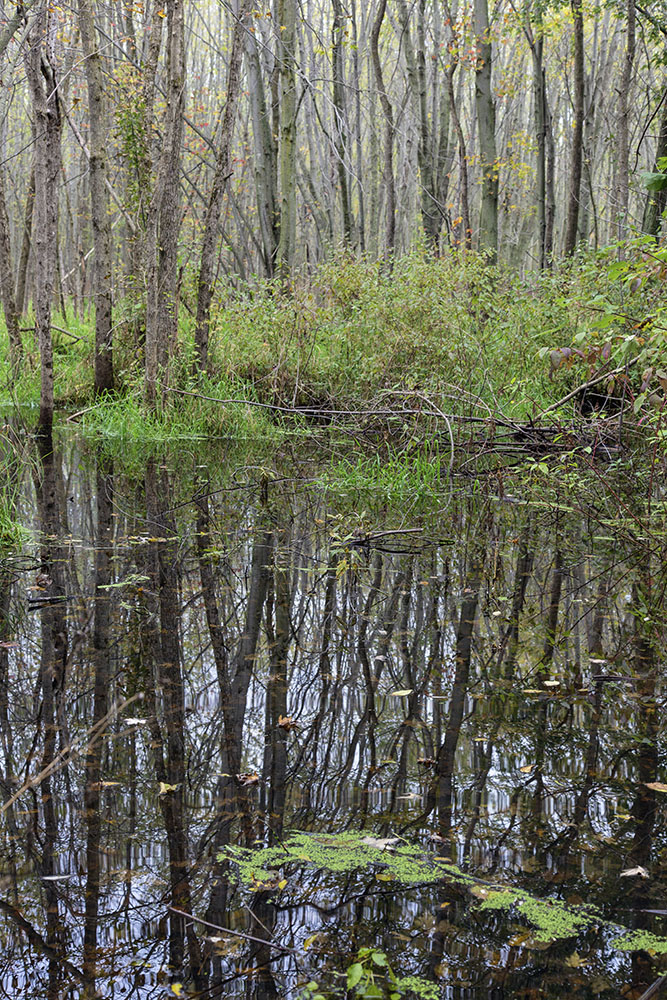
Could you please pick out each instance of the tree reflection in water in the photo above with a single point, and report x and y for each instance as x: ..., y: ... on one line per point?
x: 494, y: 695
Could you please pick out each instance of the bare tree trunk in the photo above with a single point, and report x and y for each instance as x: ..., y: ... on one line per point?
x: 40, y: 68
x: 452, y: 55
x: 99, y: 200
x: 287, y: 152
x: 223, y: 171
x: 22, y: 273
x: 486, y: 123
x: 7, y: 284
x: 576, y: 155
x: 341, y: 130
x: 390, y: 232
x: 265, y: 158
x: 164, y: 218
x: 623, y: 137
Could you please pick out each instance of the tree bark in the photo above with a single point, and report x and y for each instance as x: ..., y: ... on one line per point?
x: 223, y: 172
x: 388, y: 175
x: 623, y: 136
x: 452, y: 54
x: 7, y: 284
x: 656, y: 201
x: 164, y: 219
x: 39, y: 60
x: 287, y: 151
x: 576, y: 154
x: 99, y: 200
x: 341, y: 129
x: 486, y: 123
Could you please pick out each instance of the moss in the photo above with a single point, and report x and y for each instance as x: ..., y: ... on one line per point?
x: 407, y: 864
x: 422, y: 988
x: 641, y: 941
x: 338, y: 854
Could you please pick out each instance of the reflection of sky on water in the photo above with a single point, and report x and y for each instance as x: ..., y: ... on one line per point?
x: 355, y: 755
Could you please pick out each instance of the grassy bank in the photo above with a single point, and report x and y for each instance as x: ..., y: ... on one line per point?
x: 475, y: 341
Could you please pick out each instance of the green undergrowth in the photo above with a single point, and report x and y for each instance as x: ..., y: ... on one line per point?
x: 398, y: 862
x: 449, y: 334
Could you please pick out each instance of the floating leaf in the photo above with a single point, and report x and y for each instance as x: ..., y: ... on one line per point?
x: 656, y: 786
x: 251, y: 778
x: 527, y: 768
x: 381, y: 843
x: 165, y: 788
x: 287, y: 723
x: 177, y: 989
x: 403, y: 693
x: 630, y: 872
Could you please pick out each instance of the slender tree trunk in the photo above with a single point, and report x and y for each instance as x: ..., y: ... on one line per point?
x: 39, y: 62
x: 486, y: 123
x: 7, y: 284
x: 623, y: 135
x: 453, y: 57
x: 99, y: 200
x: 390, y: 232
x: 264, y: 158
x: 341, y: 130
x: 164, y: 219
x: 223, y: 172
x: 22, y: 273
x: 576, y: 155
x: 286, y: 250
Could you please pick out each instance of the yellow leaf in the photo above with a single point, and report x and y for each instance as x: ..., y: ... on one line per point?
x: 656, y: 786
x: 282, y: 883
x: 527, y: 769
x: 177, y: 989
x: 164, y: 788
x: 309, y: 940
x: 403, y: 693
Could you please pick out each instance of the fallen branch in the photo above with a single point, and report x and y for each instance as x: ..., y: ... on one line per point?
x: 238, y: 934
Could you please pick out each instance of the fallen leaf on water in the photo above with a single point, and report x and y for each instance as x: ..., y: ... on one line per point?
x: 532, y: 690
x: 9, y: 645
x: 287, y: 723
x: 252, y: 778
x: 165, y: 787
x: 411, y: 795
x: 135, y: 722
x: 177, y: 989
x: 527, y: 768
x: 656, y: 786
x: 380, y: 842
x: 426, y: 761
x: 552, y: 684
x: 639, y: 870
x: 403, y: 693
x: 575, y: 961
x: 385, y: 877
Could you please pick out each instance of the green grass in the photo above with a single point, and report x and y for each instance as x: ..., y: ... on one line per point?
x: 474, y: 340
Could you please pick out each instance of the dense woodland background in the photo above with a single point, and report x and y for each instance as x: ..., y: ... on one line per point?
x: 150, y: 149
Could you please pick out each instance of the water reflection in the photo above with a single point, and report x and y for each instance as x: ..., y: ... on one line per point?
x: 186, y: 665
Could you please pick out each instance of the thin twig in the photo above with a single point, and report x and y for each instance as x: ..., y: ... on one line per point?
x: 239, y: 934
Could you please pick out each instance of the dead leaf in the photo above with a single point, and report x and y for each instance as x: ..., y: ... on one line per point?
x: 630, y: 872
x: 287, y: 723
x: 426, y: 761
x: 575, y: 961
x: 527, y: 768
x: 165, y: 787
x: 251, y: 778
x: 656, y: 786
x: 403, y: 693
x: 381, y: 843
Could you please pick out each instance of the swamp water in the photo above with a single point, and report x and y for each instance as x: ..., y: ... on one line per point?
x: 198, y: 661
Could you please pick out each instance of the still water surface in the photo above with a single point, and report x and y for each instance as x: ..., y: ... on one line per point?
x: 192, y: 659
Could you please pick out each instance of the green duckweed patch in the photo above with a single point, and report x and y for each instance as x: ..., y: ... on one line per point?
x: 405, y: 864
